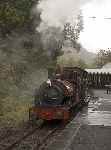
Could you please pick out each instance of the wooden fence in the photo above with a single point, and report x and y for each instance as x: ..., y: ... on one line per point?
x: 97, y: 80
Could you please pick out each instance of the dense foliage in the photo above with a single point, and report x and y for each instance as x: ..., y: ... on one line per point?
x: 14, y: 14
x: 21, y: 48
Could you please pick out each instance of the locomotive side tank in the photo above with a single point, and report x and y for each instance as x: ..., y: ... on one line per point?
x: 58, y: 95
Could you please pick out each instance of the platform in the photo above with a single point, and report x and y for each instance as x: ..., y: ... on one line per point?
x: 90, y: 129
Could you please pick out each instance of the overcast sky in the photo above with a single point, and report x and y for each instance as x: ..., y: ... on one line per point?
x: 97, y: 32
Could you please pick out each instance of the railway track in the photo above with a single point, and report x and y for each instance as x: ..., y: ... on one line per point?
x: 8, y: 132
x: 45, y: 141
x: 34, y: 139
x: 9, y: 141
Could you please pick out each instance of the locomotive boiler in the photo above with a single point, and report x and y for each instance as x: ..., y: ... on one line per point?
x: 61, y: 93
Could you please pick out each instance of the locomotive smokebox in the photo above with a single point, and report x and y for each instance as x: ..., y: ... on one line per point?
x: 55, y: 92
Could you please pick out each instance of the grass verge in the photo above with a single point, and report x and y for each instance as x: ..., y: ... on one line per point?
x: 14, y: 110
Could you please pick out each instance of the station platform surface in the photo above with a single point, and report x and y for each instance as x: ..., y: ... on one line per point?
x: 90, y: 129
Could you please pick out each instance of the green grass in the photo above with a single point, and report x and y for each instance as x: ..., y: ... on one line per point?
x: 15, y: 110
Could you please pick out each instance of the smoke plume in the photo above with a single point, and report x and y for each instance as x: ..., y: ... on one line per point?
x: 57, y: 12
x: 54, y: 15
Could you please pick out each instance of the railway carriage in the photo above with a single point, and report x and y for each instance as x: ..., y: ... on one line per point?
x: 60, y: 94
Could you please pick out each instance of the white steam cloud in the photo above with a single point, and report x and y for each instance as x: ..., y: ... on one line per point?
x: 55, y: 13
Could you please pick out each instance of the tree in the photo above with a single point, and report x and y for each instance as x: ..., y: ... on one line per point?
x: 72, y: 31
x: 15, y: 14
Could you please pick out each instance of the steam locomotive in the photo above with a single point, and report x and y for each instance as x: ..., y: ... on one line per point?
x: 60, y: 94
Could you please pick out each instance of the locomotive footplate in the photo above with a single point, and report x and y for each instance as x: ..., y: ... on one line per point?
x: 49, y: 113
